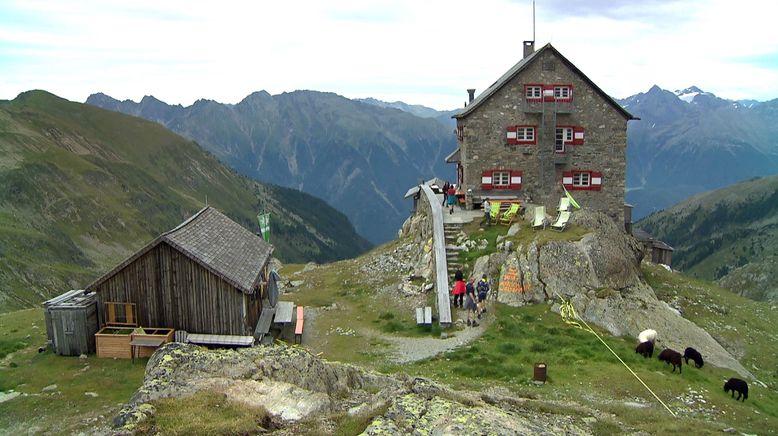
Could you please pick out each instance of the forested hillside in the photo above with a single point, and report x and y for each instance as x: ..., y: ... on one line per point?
x: 729, y: 235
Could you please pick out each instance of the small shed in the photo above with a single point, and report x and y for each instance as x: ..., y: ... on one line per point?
x: 71, y: 322
x: 208, y: 275
x: 655, y: 250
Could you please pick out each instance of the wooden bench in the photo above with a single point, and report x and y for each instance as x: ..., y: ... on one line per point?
x: 298, y: 327
x: 424, y: 315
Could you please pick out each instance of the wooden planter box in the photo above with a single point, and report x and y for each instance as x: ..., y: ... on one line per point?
x: 113, y: 341
x: 164, y: 334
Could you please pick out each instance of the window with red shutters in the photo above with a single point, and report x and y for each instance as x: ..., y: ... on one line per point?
x: 582, y: 180
x: 501, y: 179
x: 521, y: 135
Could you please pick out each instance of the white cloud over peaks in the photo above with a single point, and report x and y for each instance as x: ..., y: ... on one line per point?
x: 419, y: 52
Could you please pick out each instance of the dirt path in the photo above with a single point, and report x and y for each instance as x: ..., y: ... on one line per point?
x: 408, y: 350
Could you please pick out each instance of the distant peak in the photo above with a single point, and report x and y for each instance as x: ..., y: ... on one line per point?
x: 689, y: 90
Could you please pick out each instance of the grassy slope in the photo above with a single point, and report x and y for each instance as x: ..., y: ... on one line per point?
x: 584, y: 378
x: 82, y: 188
x: 716, y: 232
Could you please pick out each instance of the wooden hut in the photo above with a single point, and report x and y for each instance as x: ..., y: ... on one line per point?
x: 208, y: 275
x: 655, y: 250
x: 71, y: 323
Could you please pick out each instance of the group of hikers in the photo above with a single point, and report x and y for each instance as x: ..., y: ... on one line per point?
x: 470, y: 296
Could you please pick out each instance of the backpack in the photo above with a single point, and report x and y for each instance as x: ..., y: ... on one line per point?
x: 482, y: 287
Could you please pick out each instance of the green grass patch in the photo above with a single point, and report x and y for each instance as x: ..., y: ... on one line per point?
x: 205, y: 413
x: 67, y: 409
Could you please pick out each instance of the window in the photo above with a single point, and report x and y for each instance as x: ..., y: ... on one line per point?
x: 563, y: 92
x: 525, y: 134
x: 564, y: 135
x: 533, y: 92
x: 501, y: 179
x: 581, y: 179
x: 521, y: 135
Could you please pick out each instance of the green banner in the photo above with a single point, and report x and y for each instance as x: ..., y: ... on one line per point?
x: 264, y: 225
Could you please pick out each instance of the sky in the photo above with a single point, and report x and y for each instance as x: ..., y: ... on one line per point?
x: 420, y: 52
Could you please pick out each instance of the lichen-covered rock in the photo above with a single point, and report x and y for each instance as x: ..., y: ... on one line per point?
x: 413, y: 414
x: 292, y: 384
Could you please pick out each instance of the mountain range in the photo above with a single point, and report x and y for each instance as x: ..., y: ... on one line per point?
x: 729, y: 235
x: 691, y: 141
x: 686, y: 142
x: 81, y: 188
x: 359, y: 157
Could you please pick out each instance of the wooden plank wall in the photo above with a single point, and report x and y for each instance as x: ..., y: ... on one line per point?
x: 171, y: 290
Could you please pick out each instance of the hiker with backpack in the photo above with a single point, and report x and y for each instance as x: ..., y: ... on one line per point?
x: 470, y: 304
x: 482, y: 288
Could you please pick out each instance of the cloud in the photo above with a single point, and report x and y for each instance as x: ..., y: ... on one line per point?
x: 419, y: 52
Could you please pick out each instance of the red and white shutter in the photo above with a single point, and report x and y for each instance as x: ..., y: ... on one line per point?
x: 548, y: 92
x: 511, y: 135
x: 486, y: 180
x: 578, y: 136
x: 596, y: 181
x: 567, y: 179
x: 515, y: 182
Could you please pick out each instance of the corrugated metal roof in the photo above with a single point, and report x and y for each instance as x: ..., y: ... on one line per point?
x: 454, y: 157
x: 216, y: 242
x: 516, y: 69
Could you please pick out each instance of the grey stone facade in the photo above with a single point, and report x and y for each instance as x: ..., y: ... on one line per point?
x: 484, y: 147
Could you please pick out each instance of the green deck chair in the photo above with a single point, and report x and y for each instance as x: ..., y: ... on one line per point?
x: 495, y: 211
x: 540, y: 217
x: 561, y: 221
x: 507, y: 217
x: 564, y: 204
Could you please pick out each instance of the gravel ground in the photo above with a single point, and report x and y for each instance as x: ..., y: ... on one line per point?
x: 412, y: 349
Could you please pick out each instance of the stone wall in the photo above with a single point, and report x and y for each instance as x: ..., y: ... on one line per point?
x: 484, y: 145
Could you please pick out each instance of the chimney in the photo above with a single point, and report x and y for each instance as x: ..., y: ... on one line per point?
x: 471, y: 93
x: 529, y: 48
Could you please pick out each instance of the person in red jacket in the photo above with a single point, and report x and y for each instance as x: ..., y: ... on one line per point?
x: 459, y: 289
x: 452, y: 198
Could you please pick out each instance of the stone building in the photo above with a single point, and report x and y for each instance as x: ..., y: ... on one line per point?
x: 541, y: 126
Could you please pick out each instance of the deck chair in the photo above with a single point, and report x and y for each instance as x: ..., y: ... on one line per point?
x: 564, y: 204
x: 540, y: 217
x: 508, y: 216
x: 561, y: 221
x: 495, y: 211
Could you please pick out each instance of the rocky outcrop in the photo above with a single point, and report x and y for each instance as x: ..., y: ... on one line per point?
x: 600, y: 275
x: 292, y: 384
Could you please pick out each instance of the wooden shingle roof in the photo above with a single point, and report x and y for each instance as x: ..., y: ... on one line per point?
x: 216, y: 242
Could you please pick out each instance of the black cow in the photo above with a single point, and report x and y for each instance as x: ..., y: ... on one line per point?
x: 671, y: 356
x: 645, y: 348
x: 735, y: 384
x: 691, y: 353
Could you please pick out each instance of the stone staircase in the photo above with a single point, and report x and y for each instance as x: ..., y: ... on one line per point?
x: 451, y: 230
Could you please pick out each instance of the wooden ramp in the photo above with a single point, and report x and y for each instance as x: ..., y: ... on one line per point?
x: 263, y: 325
